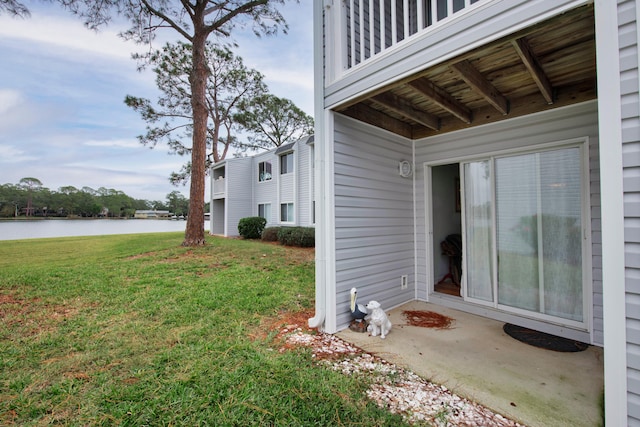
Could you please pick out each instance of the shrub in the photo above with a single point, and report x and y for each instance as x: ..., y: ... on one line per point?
x: 270, y: 234
x: 297, y: 236
x: 251, y: 227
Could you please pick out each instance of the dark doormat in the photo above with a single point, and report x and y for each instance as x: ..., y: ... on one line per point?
x: 543, y: 340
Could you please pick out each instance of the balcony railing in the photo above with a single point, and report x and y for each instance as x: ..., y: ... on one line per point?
x: 365, y: 28
x: 218, y: 186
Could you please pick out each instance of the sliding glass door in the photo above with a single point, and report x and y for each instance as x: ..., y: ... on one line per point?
x: 524, y: 232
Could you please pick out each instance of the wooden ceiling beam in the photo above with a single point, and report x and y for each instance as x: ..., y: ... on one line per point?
x: 406, y: 109
x: 482, y: 86
x: 532, y: 63
x: 369, y: 115
x: 440, y: 97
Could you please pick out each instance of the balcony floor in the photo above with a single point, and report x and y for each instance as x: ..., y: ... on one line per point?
x: 477, y: 360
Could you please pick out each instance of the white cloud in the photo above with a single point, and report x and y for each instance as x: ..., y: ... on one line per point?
x: 114, y: 143
x: 9, y: 100
x: 65, y: 33
x: 10, y: 154
x: 62, y: 115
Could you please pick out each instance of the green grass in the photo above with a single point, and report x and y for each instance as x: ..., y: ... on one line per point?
x: 136, y: 330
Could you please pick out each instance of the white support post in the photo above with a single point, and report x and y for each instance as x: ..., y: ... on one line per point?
x: 405, y: 17
x: 420, y: 17
x: 372, y: 33
x: 361, y: 28
x: 383, y: 27
x: 352, y: 33
x: 394, y: 23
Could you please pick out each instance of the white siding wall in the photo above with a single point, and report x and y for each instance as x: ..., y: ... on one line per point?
x: 374, y: 217
x: 239, y: 193
x: 266, y: 191
x: 628, y: 36
x: 286, y: 191
x: 557, y: 125
x: 243, y: 192
x: 305, y: 182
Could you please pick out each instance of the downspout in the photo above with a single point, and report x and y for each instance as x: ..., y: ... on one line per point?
x: 415, y: 221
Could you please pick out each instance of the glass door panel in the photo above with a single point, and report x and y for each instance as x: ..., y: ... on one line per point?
x: 535, y: 239
x: 478, y: 219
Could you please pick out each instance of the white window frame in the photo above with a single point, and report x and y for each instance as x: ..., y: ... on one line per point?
x: 286, y: 163
x: 266, y: 214
x: 290, y: 209
x: 263, y: 171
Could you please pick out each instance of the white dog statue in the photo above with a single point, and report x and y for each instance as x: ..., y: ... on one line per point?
x: 379, y: 323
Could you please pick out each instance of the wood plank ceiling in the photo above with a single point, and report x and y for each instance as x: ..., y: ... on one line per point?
x: 546, y: 66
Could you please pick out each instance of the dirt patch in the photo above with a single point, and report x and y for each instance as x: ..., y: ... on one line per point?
x: 427, y: 319
x: 32, y: 316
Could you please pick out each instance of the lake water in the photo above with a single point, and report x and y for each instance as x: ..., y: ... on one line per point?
x: 25, y: 229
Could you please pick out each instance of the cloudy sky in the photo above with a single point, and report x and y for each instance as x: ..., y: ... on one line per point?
x: 62, y: 87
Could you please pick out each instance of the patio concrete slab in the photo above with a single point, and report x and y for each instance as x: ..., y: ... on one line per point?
x: 475, y: 359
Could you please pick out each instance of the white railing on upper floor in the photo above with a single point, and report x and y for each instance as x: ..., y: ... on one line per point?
x: 218, y: 185
x: 359, y: 30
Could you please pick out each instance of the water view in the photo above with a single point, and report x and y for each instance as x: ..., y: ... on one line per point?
x: 26, y: 229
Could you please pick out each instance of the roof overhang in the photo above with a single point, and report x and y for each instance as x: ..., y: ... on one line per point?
x: 546, y: 66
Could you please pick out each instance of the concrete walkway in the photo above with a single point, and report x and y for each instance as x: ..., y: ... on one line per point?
x: 477, y: 360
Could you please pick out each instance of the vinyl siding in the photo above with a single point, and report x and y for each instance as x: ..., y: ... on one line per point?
x: 266, y: 191
x: 374, y: 217
x: 239, y: 193
x: 554, y: 126
x: 628, y: 36
x: 244, y: 192
x: 305, y: 181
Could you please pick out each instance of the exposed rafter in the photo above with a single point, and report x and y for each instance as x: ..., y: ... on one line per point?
x: 533, y: 65
x: 502, y: 79
x: 366, y: 114
x: 406, y: 109
x: 482, y: 86
x: 438, y: 96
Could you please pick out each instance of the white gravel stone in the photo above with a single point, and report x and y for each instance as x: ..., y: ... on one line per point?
x: 398, y: 390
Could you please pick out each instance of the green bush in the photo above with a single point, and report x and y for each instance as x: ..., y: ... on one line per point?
x: 270, y: 234
x: 304, y: 237
x: 251, y: 227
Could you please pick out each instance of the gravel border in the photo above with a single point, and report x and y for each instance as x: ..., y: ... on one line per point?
x: 398, y: 390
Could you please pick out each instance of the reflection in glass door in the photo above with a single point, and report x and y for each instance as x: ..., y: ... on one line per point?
x: 523, y: 232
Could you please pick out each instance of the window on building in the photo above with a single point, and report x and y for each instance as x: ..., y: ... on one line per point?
x: 286, y: 212
x: 264, y: 211
x: 264, y: 171
x: 286, y: 163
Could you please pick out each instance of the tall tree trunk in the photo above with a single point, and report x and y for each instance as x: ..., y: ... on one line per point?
x: 194, y: 234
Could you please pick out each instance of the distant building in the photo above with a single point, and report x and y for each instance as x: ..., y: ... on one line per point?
x: 151, y: 214
x: 276, y: 185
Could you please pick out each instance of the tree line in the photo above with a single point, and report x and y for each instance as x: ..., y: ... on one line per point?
x: 195, y: 106
x: 29, y: 198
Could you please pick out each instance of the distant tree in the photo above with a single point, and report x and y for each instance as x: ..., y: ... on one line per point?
x: 194, y: 21
x: 14, y: 8
x: 177, y: 203
x: 10, y: 196
x: 229, y: 85
x: 30, y: 184
x: 273, y: 121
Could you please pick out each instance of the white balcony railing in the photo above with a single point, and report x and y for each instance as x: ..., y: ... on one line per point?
x: 358, y: 30
x: 218, y: 186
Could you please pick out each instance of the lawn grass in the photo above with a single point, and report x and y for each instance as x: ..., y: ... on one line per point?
x: 137, y: 330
